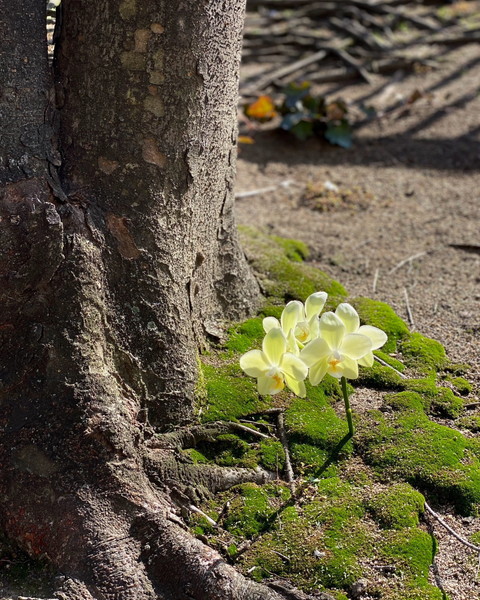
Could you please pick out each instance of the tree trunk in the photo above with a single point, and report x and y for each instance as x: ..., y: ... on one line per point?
x: 111, y: 277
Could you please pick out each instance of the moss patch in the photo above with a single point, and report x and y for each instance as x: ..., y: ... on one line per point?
x: 396, y: 507
x: 230, y: 393
x: 379, y: 314
x: 407, y: 446
x: 423, y: 354
x: 277, y: 264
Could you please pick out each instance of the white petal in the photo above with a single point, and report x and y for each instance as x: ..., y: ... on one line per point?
x: 332, y: 329
x: 274, y: 345
x: 376, y: 335
x: 254, y: 363
x: 314, y: 327
x: 269, y: 385
x: 349, y: 316
x: 292, y: 343
x: 314, y: 304
x: 314, y: 351
x: 297, y: 387
x: 350, y: 368
x: 291, y: 314
x: 292, y: 366
x: 355, y: 345
x: 367, y: 360
x: 269, y: 323
x: 318, y: 371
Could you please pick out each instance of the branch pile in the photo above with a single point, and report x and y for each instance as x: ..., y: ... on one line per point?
x: 335, y: 40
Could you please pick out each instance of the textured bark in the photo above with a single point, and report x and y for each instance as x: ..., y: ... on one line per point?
x: 110, y: 279
x: 148, y: 98
x: 25, y: 130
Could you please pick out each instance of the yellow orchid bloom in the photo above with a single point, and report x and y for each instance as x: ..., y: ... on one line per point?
x: 351, y: 320
x: 335, y: 351
x: 274, y: 367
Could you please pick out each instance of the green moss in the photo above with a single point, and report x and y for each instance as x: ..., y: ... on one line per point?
x: 396, y: 507
x: 272, y: 455
x: 406, y: 445
x: 446, y: 404
x: 472, y: 423
x: 195, y: 456
x: 293, y: 249
x: 405, y: 401
x: 313, y: 421
x: 245, y: 336
x: 457, y: 368
x: 275, y: 262
x: 252, y: 507
x: 413, y: 547
x: 379, y: 314
x: 380, y: 377
x: 230, y: 393
x: 393, y: 362
x: 461, y: 385
x: 423, y: 354
x: 229, y: 450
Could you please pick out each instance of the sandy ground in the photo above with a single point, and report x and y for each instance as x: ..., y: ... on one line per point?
x: 411, y: 234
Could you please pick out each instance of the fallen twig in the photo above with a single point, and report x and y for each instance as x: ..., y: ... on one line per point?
x: 405, y: 261
x: 375, y: 279
x: 270, y: 78
x: 385, y: 364
x: 271, y: 188
x: 409, y: 310
x: 282, y: 436
x: 450, y: 530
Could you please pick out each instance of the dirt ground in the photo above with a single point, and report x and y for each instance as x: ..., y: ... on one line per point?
x: 406, y: 225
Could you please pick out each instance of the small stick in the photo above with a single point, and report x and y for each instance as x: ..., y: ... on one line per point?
x: 375, y: 279
x: 450, y: 530
x: 282, y: 436
x: 409, y: 310
x: 271, y: 188
x: 405, y: 261
x: 472, y: 405
x: 285, y: 558
x: 249, y: 430
x: 270, y: 78
x: 200, y: 512
x: 385, y: 364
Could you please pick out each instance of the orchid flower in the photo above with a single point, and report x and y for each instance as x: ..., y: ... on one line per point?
x: 351, y: 320
x: 301, y: 320
x: 274, y: 367
x: 336, y: 351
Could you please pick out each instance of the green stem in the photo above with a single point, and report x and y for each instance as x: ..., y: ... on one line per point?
x: 348, y: 410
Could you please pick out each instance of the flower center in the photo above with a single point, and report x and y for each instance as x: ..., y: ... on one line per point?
x: 334, y: 361
x: 277, y: 377
x: 302, y: 332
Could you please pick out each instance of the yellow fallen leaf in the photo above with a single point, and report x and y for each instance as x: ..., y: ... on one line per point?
x: 245, y: 139
x: 262, y: 109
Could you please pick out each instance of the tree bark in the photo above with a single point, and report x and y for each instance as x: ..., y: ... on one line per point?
x: 111, y: 277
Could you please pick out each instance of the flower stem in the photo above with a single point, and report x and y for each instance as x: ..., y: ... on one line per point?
x: 348, y: 410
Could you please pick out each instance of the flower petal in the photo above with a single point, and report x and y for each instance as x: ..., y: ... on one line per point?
x: 314, y: 351
x: 274, y: 345
x: 350, y: 368
x: 376, y: 335
x: 332, y: 329
x: 297, y: 387
x: 254, y: 363
x: 314, y: 304
x: 367, y: 360
x: 292, y: 366
x: 269, y: 323
x: 355, y: 345
x: 292, y: 313
x: 268, y: 386
x: 349, y: 316
x: 318, y: 371
x: 293, y: 344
